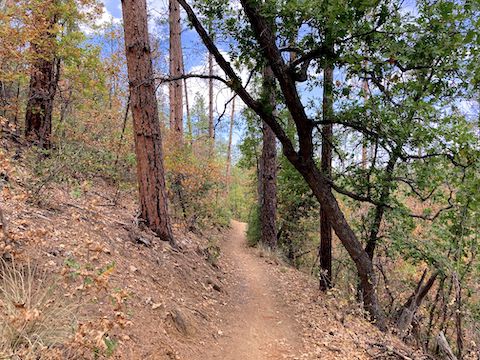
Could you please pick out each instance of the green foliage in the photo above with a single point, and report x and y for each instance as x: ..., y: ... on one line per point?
x: 212, y: 252
x: 111, y: 345
x: 197, y: 188
x: 298, y: 210
x: 74, y: 164
x: 254, y: 230
x: 240, y: 196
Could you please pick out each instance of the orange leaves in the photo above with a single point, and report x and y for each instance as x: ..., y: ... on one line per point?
x: 91, y: 334
x: 196, y: 181
x: 5, y: 165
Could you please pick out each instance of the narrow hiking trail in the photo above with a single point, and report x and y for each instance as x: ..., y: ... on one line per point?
x: 258, y: 324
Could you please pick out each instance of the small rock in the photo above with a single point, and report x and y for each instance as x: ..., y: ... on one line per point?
x: 156, y: 306
x: 132, y: 268
x: 7, y: 257
x: 144, y: 241
x: 178, y: 321
x: 215, y: 286
x: 54, y: 252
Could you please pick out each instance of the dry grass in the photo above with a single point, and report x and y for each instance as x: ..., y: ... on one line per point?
x: 275, y: 256
x: 33, y: 315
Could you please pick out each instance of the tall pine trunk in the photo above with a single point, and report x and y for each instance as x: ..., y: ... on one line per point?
x: 229, y: 148
x: 325, y: 254
x: 268, y: 205
x: 148, y: 140
x: 211, y: 129
x: 176, y: 71
x: 189, y: 117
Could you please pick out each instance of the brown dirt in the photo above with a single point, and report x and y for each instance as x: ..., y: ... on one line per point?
x: 258, y: 324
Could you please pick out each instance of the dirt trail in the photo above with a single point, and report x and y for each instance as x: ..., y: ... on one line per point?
x: 257, y: 324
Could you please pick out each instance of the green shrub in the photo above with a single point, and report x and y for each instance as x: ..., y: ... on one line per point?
x: 254, y: 230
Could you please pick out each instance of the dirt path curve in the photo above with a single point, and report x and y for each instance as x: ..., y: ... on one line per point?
x: 258, y: 323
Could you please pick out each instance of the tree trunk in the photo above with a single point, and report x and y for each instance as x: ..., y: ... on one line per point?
x: 3, y: 226
x: 7, y: 96
x: 364, y: 265
x: 364, y: 140
x: 268, y: 209
x: 445, y: 347
x: 325, y: 255
x: 211, y: 130
x: 413, y: 303
x: 189, y: 117
x: 229, y: 148
x: 44, y: 78
x: 380, y: 208
x: 148, y: 140
x: 458, y: 315
x: 176, y: 71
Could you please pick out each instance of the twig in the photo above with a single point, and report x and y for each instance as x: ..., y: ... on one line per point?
x: 3, y: 223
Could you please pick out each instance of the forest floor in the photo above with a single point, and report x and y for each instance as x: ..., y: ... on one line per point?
x: 259, y: 322
x: 138, y: 298
x: 274, y: 311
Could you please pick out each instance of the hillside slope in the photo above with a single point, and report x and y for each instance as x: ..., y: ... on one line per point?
x: 138, y: 298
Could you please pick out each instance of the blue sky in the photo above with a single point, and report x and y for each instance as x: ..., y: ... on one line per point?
x: 158, y: 9
x: 114, y: 8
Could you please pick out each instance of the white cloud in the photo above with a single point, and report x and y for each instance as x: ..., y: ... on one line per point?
x: 105, y: 18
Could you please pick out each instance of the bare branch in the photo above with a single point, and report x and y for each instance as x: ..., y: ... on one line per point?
x: 410, y: 184
x: 236, y: 85
x: 166, y: 79
x: 224, y: 111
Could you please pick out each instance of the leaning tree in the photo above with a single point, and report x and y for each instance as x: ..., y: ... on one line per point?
x: 411, y: 71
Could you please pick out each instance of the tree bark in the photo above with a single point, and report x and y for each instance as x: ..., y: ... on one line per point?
x: 189, y: 117
x: 7, y: 99
x: 176, y: 71
x: 413, y: 303
x: 364, y: 140
x: 458, y: 315
x: 44, y: 77
x: 148, y: 140
x: 3, y: 225
x: 211, y: 130
x: 325, y: 255
x: 380, y: 209
x: 229, y: 148
x: 445, y: 346
x: 268, y: 208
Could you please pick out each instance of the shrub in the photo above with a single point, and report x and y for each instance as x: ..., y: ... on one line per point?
x: 254, y: 230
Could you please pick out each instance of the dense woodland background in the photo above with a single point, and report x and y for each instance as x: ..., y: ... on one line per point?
x: 346, y: 133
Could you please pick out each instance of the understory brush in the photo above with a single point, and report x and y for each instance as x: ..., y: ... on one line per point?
x: 33, y: 317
